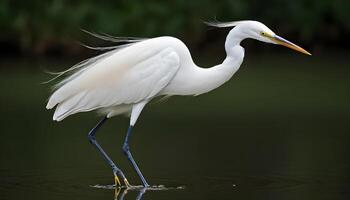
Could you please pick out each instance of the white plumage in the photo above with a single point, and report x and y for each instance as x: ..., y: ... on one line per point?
x: 137, y: 73
x: 116, y: 81
x: 126, y: 78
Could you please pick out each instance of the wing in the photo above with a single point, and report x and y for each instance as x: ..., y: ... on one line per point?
x: 126, y: 77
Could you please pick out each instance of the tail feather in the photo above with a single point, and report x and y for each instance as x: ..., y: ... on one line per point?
x: 51, y: 103
x: 67, y: 107
x: 57, y: 97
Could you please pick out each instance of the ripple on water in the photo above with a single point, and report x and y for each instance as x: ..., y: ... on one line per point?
x: 65, y: 181
x: 247, y: 182
x: 140, y: 187
x: 54, y: 181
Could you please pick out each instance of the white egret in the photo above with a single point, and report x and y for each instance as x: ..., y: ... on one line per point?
x: 126, y: 78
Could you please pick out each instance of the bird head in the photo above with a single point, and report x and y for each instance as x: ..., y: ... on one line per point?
x: 258, y: 31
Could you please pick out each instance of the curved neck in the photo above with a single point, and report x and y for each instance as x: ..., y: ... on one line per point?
x: 233, y: 39
x: 211, y: 78
x: 194, y: 80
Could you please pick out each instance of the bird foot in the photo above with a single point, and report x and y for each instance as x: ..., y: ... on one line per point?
x: 127, y: 184
x: 118, y: 183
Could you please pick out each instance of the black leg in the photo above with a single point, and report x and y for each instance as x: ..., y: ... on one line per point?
x: 116, y: 170
x: 127, y: 152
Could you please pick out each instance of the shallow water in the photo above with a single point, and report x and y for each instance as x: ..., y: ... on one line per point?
x: 273, y: 132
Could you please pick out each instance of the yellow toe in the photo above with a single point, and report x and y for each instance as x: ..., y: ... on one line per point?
x: 127, y: 184
x: 117, y: 181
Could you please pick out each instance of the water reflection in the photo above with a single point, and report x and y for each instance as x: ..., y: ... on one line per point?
x: 120, y: 193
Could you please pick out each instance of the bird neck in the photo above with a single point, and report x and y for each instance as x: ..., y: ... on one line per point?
x: 214, y: 77
x: 194, y: 80
x: 207, y: 79
x: 233, y: 39
x: 221, y: 73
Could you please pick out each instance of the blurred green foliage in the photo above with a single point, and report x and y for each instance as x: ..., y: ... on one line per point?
x: 34, y: 26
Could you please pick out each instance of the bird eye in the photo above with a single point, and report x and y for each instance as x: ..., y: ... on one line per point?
x: 263, y: 33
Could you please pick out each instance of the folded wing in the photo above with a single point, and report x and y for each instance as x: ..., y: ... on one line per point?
x: 134, y: 74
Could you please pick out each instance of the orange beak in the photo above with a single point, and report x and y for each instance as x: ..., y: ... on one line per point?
x: 281, y: 41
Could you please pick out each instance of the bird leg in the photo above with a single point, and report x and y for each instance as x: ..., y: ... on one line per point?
x: 127, y: 184
x: 116, y: 171
x: 127, y: 152
x: 117, y: 182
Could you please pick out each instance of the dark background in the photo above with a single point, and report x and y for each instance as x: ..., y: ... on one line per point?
x: 278, y: 130
x: 52, y: 28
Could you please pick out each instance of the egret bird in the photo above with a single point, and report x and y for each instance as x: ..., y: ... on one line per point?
x: 124, y: 79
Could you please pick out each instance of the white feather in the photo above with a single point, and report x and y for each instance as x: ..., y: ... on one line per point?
x: 124, y: 78
x: 83, y: 65
x: 226, y: 24
x: 117, y: 78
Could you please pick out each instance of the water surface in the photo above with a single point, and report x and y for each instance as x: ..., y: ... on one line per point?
x: 277, y: 130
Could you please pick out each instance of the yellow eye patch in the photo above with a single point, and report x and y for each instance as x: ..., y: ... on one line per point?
x: 265, y: 34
